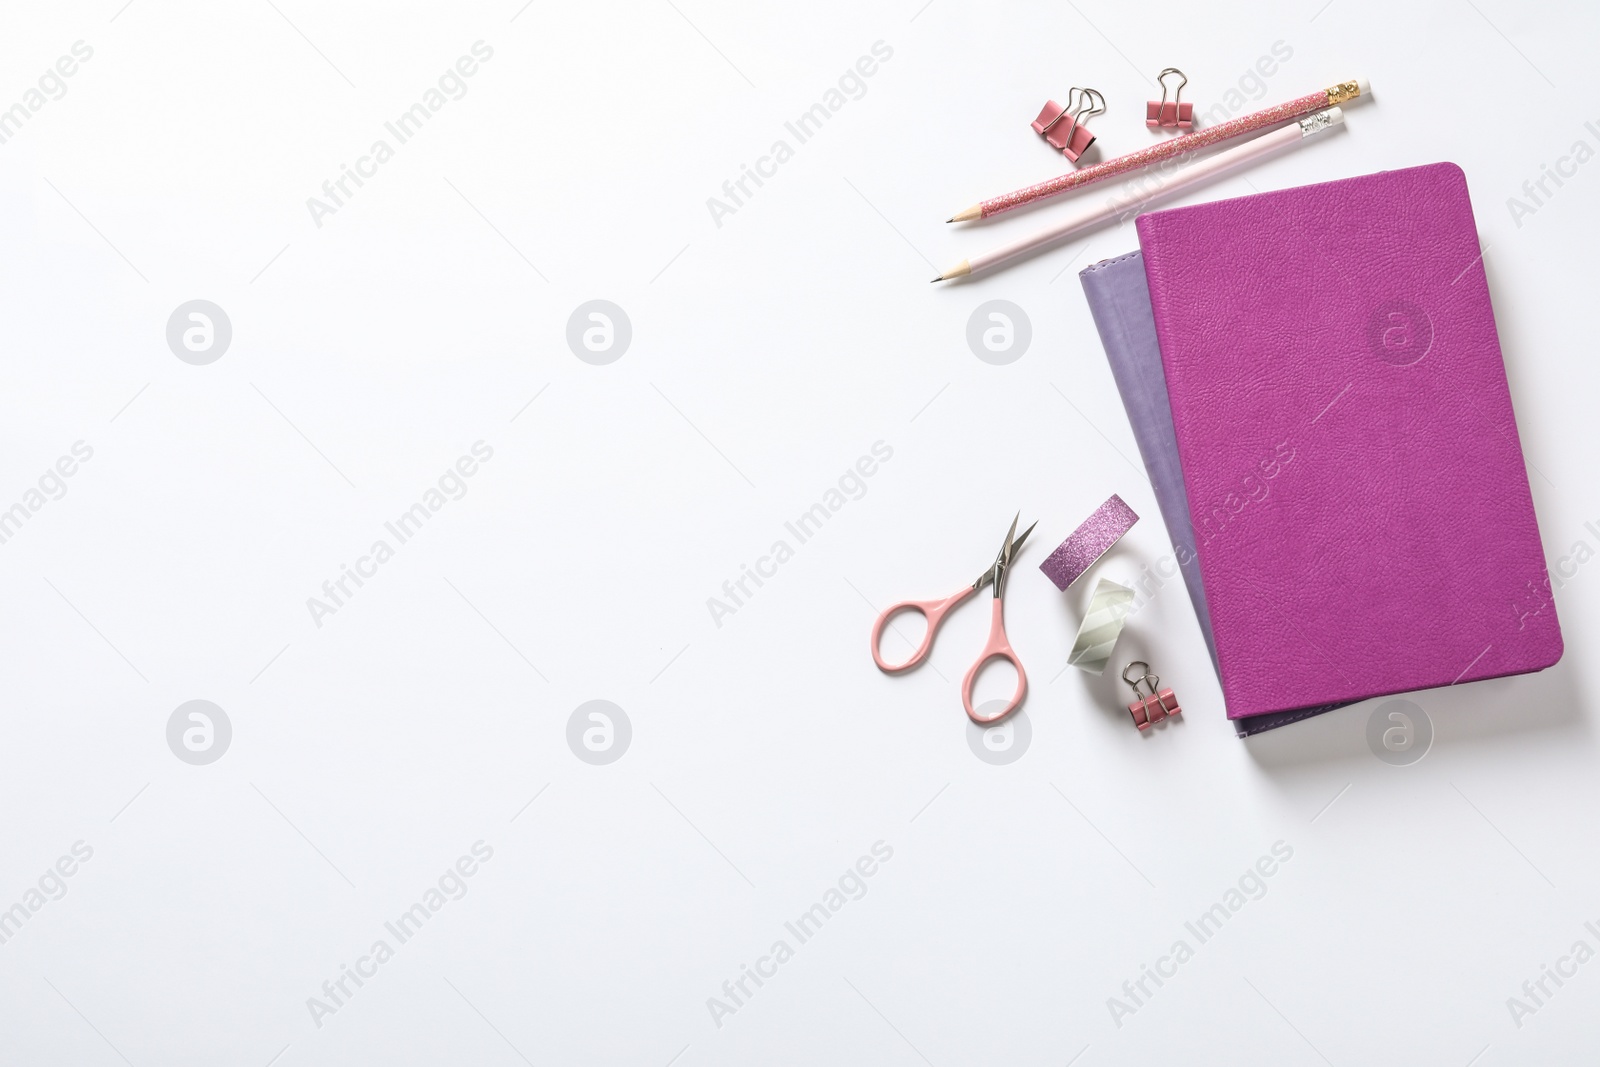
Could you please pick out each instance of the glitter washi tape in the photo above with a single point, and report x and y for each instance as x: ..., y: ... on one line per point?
x: 1089, y: 542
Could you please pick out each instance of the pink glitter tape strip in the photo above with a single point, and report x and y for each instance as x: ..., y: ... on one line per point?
x: 1089, y: 542
x: 1173, y: 146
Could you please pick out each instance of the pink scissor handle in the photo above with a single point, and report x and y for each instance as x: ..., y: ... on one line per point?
x: 933, y: 610
x: 999, y: 647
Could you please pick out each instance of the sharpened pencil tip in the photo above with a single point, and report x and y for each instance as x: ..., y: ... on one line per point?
x: 952, y: 218
x: 940, y: 278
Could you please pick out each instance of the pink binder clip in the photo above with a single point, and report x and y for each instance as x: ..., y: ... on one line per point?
x: 1064, y: 127
x: 1175, y: 114
x: 1150, y: 708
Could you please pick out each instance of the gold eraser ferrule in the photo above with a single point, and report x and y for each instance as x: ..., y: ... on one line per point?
x: 1338, y: 94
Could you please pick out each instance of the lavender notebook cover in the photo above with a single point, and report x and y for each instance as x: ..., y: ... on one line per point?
x: 1351, y: 460
x: 1119, y: 299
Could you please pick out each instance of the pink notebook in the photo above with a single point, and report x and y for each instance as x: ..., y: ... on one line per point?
x: 1359, y: 498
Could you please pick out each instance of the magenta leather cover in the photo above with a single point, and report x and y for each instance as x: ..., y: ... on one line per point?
x: 1360, y: 503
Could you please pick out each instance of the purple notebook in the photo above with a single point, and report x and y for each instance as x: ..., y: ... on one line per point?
x: 1120, y: 302
x: 1355, y: 482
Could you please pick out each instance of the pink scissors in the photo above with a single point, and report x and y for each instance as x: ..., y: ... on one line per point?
x: 935, y: 610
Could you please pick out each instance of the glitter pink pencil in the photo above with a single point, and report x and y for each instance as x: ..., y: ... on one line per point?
x: 1213, y: 166
x: 1167, y: 149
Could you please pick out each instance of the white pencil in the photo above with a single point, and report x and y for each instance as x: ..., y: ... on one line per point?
x: 1093, y: 215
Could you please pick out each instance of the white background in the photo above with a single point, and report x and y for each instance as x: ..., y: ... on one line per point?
x: 768, y: 354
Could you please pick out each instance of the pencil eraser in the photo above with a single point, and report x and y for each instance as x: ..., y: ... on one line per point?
x: 1363, y: 93
x: 1089, y: 542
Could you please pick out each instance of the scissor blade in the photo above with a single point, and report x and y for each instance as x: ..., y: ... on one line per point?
x: 1008, y: 549
x: 1018, y: 542
x: 1005, y: 546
